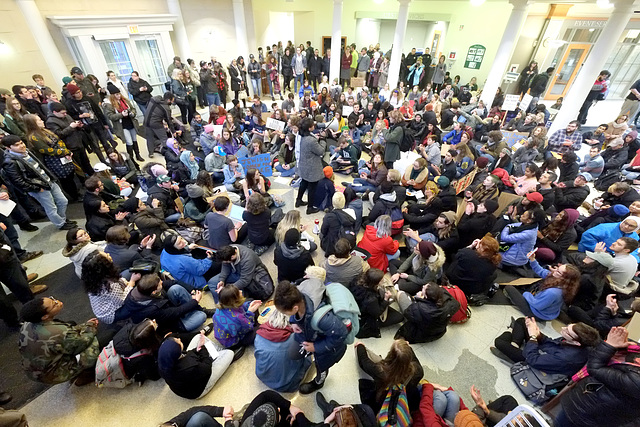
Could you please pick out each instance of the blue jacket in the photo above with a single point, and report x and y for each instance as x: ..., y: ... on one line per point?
x: 545, y: 305
x: 230, y: 325
x: 188, y: 270
x: 452, y: 137
x: 521, y: 244
x: 464, y: 166
x: 275, y: 368
x: 607, y: 233
x: 207, y: 142
x: 229, y: 177
x: 552, y: 356
x: 329, y: 344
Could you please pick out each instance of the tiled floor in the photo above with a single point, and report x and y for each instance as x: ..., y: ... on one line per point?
x: 459, y: 359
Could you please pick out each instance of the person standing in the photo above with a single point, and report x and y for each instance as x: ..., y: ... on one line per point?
x: 158, y: 113
x: 123, y: 118
x: 599, y: 88
x: 363, y: 64
x: 85, y: 109
x: 526, y: 76
x: 537, y: 87
x: 254, y: 74
x: 438, y: 74
x: 631, y: 104
x: 30, y: 177
x: 209, y: 82
x: 299, y: 66
x: 140, y: 90
x: 195, y: 78
x: 345, y: 67
x: 315, y: 69
x: 309, y: 164
x: 72, y: 133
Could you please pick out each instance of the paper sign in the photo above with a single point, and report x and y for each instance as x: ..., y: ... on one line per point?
x: 357, y: 81
x: 511, y: 138
x: 346, y: 110
x: 465, y: 181
x: 6, y: 207
x: 262, y: 162
x: 526, y: 100
x: 634, y: 327
x: 274, y: 124
x: 217, y: 130
x: 282, y: 180
x: 141, y: 195
x: 510, y: 102
x: 523, y: 281
x: 417, y: 194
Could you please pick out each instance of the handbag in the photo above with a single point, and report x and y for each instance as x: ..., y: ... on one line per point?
x: 395, y: 408
x: 242, y: 94
x: 346, y: 417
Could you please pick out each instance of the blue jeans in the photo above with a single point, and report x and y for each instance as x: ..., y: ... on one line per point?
x: 360, y: 185
x: 54, y: 204
x: 285, y: 172
x: 142, y: 107
x: 446, y: 404
x: 256, y: 86
x: 213, y: 98
x: 394, y: 256
x: 191, y: 320
x: 130, y: 136
x: 488, y: 156
x: 201, y: 419
x: 298, y: 78
x: 412, y: 243
x: 213, y: 283
x: 173, y: 218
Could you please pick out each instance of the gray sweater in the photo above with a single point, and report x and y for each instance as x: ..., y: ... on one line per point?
x: 343, y: 270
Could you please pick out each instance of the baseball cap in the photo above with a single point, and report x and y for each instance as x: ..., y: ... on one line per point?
x: 601, y: 257
x: 76, y: 70
x: 534, y: 197
x: 99, y: 167
x: 162, y: 178
x: 586, y: 175
x: 219, y: 151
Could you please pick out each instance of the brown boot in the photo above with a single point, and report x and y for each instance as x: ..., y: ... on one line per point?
x: 37, y: 289
x: 32, y: 276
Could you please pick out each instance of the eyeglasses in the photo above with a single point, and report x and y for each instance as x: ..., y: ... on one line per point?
x: 55, y: 302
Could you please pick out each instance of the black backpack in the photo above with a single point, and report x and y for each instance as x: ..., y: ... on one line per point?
x: 408, y: 139
x: 346, y: 230
x: 604, y: 181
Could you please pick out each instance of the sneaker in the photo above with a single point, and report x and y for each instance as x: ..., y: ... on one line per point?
x: 28, y: 227
x: 295, y: 183
x: 237, y: 354
x: 38, y: 289
x: 208, y: 328
x: 30, y: 255
x: 31, y: 277
x: 315, y: 384
x: 67, y: 226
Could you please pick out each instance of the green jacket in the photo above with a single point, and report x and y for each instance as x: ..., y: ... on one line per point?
x: 54, y: 352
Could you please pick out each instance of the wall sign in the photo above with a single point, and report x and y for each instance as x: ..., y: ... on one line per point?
x: 474, y: 57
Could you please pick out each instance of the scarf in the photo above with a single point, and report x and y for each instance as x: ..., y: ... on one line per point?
x: 519, y: 227
x: 617, y: 359
x: 171, y: 145
x: 122, y: 105
x: 193, y: 167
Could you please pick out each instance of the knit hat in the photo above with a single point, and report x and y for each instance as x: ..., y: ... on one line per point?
x: 534, y: 197
x: 469, y: 134
x: 443, y: 181
x: 130, y: 205
x: 5, y: 92
x: 265, y: 415
x: 586, y: 175
x: 427, y: 249
x: 291, y: 238
x: 482, y: 162
x: 491, y: 205
x: 466, y: 418
x: 386, y: 187
x: 328, y: 171
x: 620, y: 210
x: 208, y: 128
x: 162, y: 178
x: 72, y: 88
x: 194, y: 190
x: 451, y: 217
x: 112, y: 88
x: 506, y: 151
x: 99, y: 167
x: 66, y: 80
x: 219, y: 151
x: 158, y: 170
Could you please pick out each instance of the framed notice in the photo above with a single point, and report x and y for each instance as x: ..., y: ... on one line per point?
x: 474, y: 57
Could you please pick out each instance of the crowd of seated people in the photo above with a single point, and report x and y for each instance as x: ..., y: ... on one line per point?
x: 402, y: 239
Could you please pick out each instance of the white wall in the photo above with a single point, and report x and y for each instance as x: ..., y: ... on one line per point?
x: 367, y: 32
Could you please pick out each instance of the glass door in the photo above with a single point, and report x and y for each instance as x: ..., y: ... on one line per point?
x: 566, y: 70
x: 151, y: 66
x: 117, y: 57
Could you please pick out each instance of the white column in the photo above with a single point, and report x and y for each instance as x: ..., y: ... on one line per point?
x: 336, y: 38
x: 48, y: 48
x: 398, y: 41
x: 242, y: 43
x: 180, y: 31
x: 505, y: 50
x: 618, y: 20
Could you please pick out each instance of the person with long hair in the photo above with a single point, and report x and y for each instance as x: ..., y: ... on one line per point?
x: 122, y: 114
x: 519, y: 238
x: 478, y: 219
x: 528, y: 182
x: 142, y: 341
x: 424, y: 265
x: 378, y: 242
x: 122, y: 166
x: 234, y: 322
x: 100, y: 219
x: 474, y: 268
x: 53, y: 152
x: 13, y: 117
x: 560, y: 286
x: 442, y: 231
x: 557, y: 236
x: 309, y: 165
x: 399, y: 366
x: 285, y: 163
x: 79, y: 246
x: 292, y: 220
x: 345, y: 67
x: 107, y: 290
x: 335, y: 221
x: 274, y: 78
x: 258, y: 219
x: 179, y: 90
x: 437, y: 79
x: 254, y: 183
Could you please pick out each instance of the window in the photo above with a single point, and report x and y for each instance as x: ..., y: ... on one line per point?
x: 117, y: 59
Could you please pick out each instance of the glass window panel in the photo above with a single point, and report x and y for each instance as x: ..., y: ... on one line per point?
x: 564, y: 75
x: 153, y: 69
x: 117, y: 59
x: 75, y: 50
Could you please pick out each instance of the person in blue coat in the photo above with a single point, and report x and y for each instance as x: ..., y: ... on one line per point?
x: 454, y: 136
x: 609, y: 233
x: 520, y: 238
x: 177, y: 260
x: 273, y: 365
x: 327, y: 345
x: 560, y: 285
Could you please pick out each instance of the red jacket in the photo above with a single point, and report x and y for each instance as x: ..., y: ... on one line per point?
x: 425, y: 416
x: 378, y: 248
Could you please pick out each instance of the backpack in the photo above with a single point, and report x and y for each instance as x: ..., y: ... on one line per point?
x: 604, y: 181
x: 408, y: 139
x: 397, y: 219
x: 341, y: 302
x: 345, y: 231
x: 110, y: 370
x: 536, y: 385
x: 395, y: 408
x: 464, y: 313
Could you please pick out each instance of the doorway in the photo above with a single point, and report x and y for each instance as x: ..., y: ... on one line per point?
x: 566, y: 70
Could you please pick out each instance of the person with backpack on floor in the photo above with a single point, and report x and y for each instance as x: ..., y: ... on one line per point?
x: 326, y: 343
x: 337, y: 224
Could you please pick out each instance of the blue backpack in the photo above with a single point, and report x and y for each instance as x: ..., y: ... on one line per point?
x: 340, y: 300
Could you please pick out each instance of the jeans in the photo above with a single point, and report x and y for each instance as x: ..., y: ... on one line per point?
x: 192, y: 320
x: 256, y: 86
x: 173, y: 218
x: 488, y: 156
x: 360, y: 185
x: 201, y: 419
x: 412, y: 243
x: 142, y: 107
x: 12, y: 235
x: 213, y: 98
x: 446, y: 404
x: 298, y: 78
x: 213, y: 283
x: 394, y: 255
x: 130, y: 136
x: 629, y: 175
x: 54, y: 204
x: 285, y: 172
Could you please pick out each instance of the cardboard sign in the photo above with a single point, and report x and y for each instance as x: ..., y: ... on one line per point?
x: 346, y: 110
x: 523, y: 281
x: 513, y: 137
x: 526, y: 100
x: 510, y: 102
x: 357, y: 81
x: 444, y: 149
x: 634, y: 327
x: 465, y: 181
x: 274, y: 124
x: 262, y: 162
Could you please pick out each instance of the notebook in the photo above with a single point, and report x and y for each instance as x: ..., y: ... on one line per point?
x: 236, y: 215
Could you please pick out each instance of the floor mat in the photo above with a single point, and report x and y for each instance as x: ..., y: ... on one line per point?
x: 65, y: 286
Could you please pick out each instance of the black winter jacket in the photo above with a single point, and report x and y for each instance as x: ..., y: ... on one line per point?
x: 72, y: 137
x: 470, y: 272
x: 613, y: 159
x: 166, y: 197
x: 474, y: 226
x: 371, y: 305
x: 330, y: 230
x: 291, y: 269
x: 140, y: 96
x: 139, y: 307
x: 140, y: 368
x: 626, y: 199
x: 426, y: 321
x: 157, y: 112
x: 23, y: 177
x: 570, y: 197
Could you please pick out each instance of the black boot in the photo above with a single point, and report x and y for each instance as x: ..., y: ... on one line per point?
x: 315, y: 384
x: 136, y: 149
x: 130, y: 153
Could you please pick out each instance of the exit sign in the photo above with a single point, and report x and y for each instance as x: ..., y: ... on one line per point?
x: 133, y: 29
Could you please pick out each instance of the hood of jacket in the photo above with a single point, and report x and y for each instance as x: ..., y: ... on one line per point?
x: 389, y: 198
x: 291, y: 253
x: 121, y: 343
x: 272, y: 334
x: 335, y: 261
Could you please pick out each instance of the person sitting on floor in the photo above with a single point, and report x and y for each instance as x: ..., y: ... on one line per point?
x: 244, y: 269
x: 257, y: 217
x: 473, y: 269
x: 424, y: 265
x: 478, y: 220
x: 137, y: 345
x: 609, y: 233
x: 54, y: 351
x: 342, y: 266
x: 415, y: 177
x: 335, y: 221
x: 196, y: 207
x: 557, y: 236
x: 378, y: 242
x: 443, y: 231
x: 122, y: 254
x: 176, y: 258
x: 519, y: 238
x: 101, y: 220
x: 79, y: 246
x: 291, y: 257
x: 234, y: 322
x: 325, y: 189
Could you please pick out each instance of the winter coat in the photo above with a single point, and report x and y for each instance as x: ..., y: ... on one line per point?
x: 627, y: 198
x: 324, y: 194
x: 310, y: 161
x: 472, y: 273
x: 230, y: 325
x: 570, y: 197
x: 166, y: 197
x: 372, y: 305
x: 425, y: 273
x: 330, y: 229
x: 23, y: 177
x: 248, y: 267
x: 613, y: 159
x: 607, y: 233
x: 188, y: 270
x: 475, y: 226
x: 378, y: 247
x: 554, y: 356
x: 72, y: 137
x: 426, y: 321
x: 291, y: 262
x: 521, y: 244
x: 140, y: 96
x: 124, y: 255
x: 158, y: 111
x: 116, y: 118
x: 384, y: 204
x: 150, y: 222
x: 139, y: 307
x: 79, y: 252
x: 393, y: 139
x: 140, y: 368
x: 343, y: 270
x: 420, y: 180
x: 273, y: 365
x: 608, y: 396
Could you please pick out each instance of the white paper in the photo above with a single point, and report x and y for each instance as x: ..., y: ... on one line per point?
x: 515, y: 146
x: 65, y: 160
x: 141, y: 195
x: 510, y: 102
x: 217, y: 130
x: 6, y: 207
x: 417, y: 194
x: 283, y: 180
x: 274, y: 124
x: 346, y: 110
x: 526, y: 100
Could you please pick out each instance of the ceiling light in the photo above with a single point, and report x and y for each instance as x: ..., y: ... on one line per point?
x: 477, y: 2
